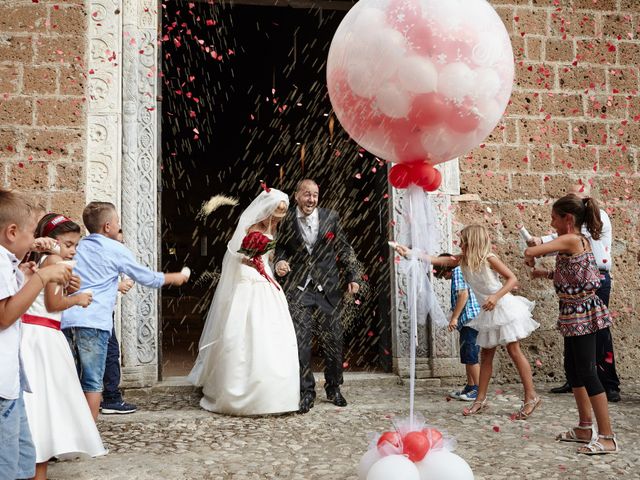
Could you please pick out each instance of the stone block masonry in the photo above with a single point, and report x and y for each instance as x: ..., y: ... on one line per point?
x: 43, y: 123
x: 574, y: 117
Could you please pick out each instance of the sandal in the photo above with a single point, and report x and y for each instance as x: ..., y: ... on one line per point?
x: 482, y: 405
x: 594, y: 447
x: 522, y: 414
x: 570, y: 435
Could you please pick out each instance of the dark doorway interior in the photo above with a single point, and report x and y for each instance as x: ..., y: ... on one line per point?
x: 244, y: 99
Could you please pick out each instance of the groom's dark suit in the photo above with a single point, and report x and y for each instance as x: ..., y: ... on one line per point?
x: 313, y: 285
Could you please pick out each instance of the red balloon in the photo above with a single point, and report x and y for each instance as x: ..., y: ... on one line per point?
x: 462, y: 118
x: 422, y: 173
x: 399, y: 177
x: 407, y: 141
x: 415, y: 445
x: 392, y: 438
x: 431, y: 187
x: 429, y: 109
x: 434, y: 436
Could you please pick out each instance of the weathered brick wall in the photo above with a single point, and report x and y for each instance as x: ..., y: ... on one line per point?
x: 42, y: 100
x: 574, y: 116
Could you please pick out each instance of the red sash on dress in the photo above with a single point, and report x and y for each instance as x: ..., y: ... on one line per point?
x: 42, y: 321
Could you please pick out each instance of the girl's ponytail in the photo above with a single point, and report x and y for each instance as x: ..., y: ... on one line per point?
x: 592, y: 217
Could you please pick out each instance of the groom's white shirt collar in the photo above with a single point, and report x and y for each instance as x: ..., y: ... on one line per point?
x: 313, y: 217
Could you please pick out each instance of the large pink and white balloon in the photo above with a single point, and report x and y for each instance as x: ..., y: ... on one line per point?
x: 420, y: 80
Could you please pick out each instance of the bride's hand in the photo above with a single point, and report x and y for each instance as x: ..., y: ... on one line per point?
x: 282, y: 268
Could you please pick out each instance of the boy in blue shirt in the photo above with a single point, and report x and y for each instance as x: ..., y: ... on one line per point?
x: 100, y: 261
x: 464, y: 308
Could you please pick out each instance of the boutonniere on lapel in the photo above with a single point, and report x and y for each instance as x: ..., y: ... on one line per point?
x: 329, y: 236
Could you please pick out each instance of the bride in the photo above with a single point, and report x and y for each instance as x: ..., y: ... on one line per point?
x: 248, y: 355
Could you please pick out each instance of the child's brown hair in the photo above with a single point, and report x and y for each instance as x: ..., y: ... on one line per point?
x: 96, y: 214
x: 14, y: 208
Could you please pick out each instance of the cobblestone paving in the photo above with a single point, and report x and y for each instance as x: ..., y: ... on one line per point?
x: 170, y: 437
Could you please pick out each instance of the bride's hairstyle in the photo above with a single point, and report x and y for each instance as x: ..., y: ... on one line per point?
x: 477, y: 247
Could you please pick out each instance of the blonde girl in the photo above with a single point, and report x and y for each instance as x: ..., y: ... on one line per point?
x: 504, y: 319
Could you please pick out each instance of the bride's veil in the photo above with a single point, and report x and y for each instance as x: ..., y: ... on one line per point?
x: 260, y: 209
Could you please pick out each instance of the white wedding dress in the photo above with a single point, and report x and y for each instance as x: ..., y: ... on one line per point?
x: 248, y: 354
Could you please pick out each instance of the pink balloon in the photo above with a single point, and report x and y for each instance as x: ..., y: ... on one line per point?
x: 462, y: 118
x: 420, y: 80
x: 429, y: 109
x: 404, y: 15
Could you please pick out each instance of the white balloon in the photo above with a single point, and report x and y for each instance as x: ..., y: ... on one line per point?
x: 388, y: 47
x: 368, y: 20
x: 394, y: 467
x: 418, y: 75
x: 370, y: 457
x: 444, y: 465
x: 456, y: 81
x: 487, y: 83
x: 393, y: 101
x: 361, y: 81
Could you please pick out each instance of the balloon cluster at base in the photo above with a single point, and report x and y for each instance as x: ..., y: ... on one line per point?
x: 420, y: 80
x: 413, y: 454
x: 422, y: 174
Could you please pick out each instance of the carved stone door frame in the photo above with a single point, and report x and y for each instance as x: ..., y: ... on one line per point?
x: 123, y: 165
x: 122, y: 157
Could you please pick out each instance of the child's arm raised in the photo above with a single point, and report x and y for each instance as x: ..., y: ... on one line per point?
x: 144, y: 276
x: 511, y: 282
x: 54, y: 298
x: 437, y: 261
x: 569, y: 243
x: 13, y: 307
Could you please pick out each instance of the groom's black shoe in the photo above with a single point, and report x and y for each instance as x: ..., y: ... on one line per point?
x: 566, y: 388
x: 337, y: 399
x: 306, y: 403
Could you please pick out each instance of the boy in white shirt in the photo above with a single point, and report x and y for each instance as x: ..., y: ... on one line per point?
x: 17, y: 226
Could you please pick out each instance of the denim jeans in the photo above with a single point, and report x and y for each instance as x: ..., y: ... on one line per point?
x: 111, y: 380
x: 17, y: 452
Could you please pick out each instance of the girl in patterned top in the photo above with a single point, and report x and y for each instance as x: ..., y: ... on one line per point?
x: 582, y: 314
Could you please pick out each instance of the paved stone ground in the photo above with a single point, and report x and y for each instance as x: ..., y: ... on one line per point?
x: 171, y: 438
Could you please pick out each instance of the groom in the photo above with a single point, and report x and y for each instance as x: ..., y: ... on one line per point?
x: 311, y: 240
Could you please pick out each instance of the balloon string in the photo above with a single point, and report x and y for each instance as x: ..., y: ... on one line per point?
x: 413, y: 311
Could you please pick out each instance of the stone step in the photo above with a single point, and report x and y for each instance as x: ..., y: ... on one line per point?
x: 180, y: 384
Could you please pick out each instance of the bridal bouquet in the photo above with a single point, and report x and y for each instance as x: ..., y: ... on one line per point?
x: 254, y: 245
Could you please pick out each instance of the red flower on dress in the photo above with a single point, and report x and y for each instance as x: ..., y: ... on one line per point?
x: 254, y: 245
x: 330, y: 236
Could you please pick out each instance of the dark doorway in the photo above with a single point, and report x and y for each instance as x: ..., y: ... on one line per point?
x: 244, y: 99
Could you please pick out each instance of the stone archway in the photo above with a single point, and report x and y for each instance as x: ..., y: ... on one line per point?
x: 123, y: 166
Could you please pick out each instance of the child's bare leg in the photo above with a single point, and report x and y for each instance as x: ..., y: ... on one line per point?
x: 584, y: 413
x: 41, y: 471
x: 473, y: 373
x: 524, y: 370
x: 94, y: 399
x: 601, y: 410
x: 486, y: 370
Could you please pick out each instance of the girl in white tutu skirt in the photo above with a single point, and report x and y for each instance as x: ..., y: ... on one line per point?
x: 505, y: 319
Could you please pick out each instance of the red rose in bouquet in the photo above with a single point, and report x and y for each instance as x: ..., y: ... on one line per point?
x: 254, y: 245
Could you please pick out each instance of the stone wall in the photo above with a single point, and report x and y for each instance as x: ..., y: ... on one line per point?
x: 42, y: 100
x: 573, y: 117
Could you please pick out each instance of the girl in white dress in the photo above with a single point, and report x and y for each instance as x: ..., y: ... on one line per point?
x: 60, y: 421
x: 505, y: 319
x: 248, y: 354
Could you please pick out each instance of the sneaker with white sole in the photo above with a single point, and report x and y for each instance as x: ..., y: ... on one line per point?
x: 455, y: 394
x: 121, y: 408
x: 470, y: 396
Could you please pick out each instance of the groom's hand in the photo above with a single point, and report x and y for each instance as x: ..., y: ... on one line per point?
x: 282, y: 268
x: 353, y: 288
